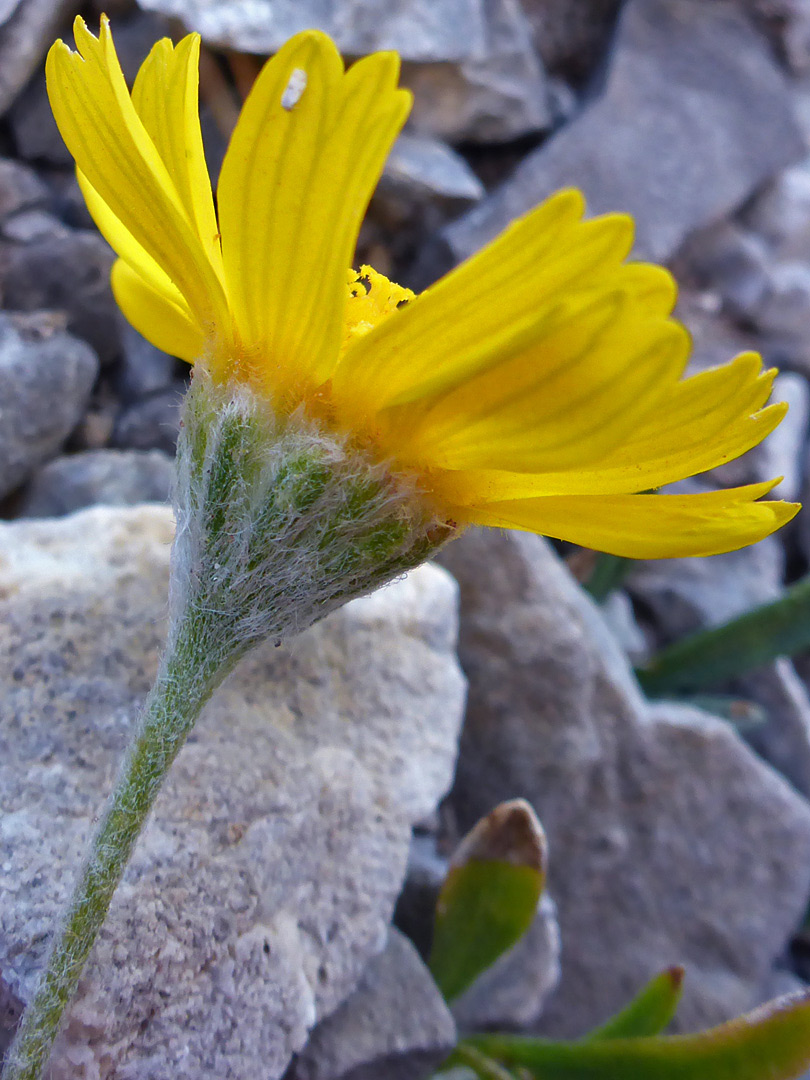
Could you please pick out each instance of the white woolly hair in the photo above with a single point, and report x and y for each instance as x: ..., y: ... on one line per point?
x: 279, y: 521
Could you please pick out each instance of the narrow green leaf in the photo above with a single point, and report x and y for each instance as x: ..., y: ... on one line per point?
x: 771, y: 1043
x: 489, y: 897
x: 608, y: 574
x: 483, y: 1067
x: 711, y: 657
x: 649, y: 1012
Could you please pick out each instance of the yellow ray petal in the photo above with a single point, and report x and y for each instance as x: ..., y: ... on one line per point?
x: 166, y: 98
x: 648, y: 526
x: 302, y: 164
x: 125, y: 245
x: 485, y: 308
x: 112, y: 149
x: 169, y: 326
x: 590, y: 378
x: 707, y: 420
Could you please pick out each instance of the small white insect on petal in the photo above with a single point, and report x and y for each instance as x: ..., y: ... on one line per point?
x: 295, y: 88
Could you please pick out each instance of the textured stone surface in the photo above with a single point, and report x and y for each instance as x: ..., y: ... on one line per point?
x: 10, y: 1012
x: 417, y: 29
x: 152, y: 422
x: 684, y: 595
x: 144, y: 368
x: 757, y: 265
x: 111, y: 477
x: 693, y: 115
x: 500, y: 94
x: 670, y: 840
x: 45, y: 380
x: 571, y: 35
x: 395, y: 1024
x: 265, y: 881
x: 20, y: 188
x: 24, y: 39
x: 45, y: 265
x: 420, y: 166
x: 784, y: 738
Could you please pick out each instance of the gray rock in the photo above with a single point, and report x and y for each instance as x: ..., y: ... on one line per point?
x: 617, y: 611
x: 758, y: 265
x: 31, y: 224
x: 784, y: 739
x: 715, y: 337
x: 36, y: 136
x: 151, y: 423
x: 7, y: 8
x: 395, y: 1024
x: 20, y: 188
x: 45, y: 265
x: 571, y: 35
x: 781, y: 312
x: 685, y: 595
x: 421, y: 167
x: 671, y: 841
x: 782, y: 453
x: 416, y: 905
x: 694, y: 115
x: 732, y: 262
x: 498, y: 95
x: 109, y: 477
x: 265, y: 879
x: 45, y: 383
x: 511, y: 994
x: 789, y: 21
x: 10, y: 1012
x: 144, y: 368
x: 416, y: 29
x: 780, y: 213
x: 25, y: 37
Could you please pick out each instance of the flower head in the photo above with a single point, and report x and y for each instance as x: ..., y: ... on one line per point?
x: 538, y: 386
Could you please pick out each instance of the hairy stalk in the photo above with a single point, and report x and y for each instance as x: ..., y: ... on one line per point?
x: 278, y: 523
x: 171, y: 710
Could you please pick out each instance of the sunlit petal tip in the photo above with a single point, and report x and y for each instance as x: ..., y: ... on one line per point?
x: 569, y: 199
x: 384, y: 66
x: 620, y: 227
x: 86, y: 40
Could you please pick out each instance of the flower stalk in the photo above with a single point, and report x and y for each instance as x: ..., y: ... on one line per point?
x: 277, y: 524
x: 183, y: 686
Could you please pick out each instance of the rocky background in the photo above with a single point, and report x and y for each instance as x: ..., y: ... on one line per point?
x: 253, y: 934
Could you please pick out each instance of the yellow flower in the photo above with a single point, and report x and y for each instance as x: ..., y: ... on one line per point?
x: 538, y: 386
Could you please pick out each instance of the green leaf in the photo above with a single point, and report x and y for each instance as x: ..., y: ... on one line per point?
x: 481, y: 1065
x: 489, y: 897
x: 649, y: 1012
x: 771, y: 1043
x: 714, y: 656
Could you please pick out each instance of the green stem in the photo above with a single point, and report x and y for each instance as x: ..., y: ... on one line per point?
x: 175, y: 702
